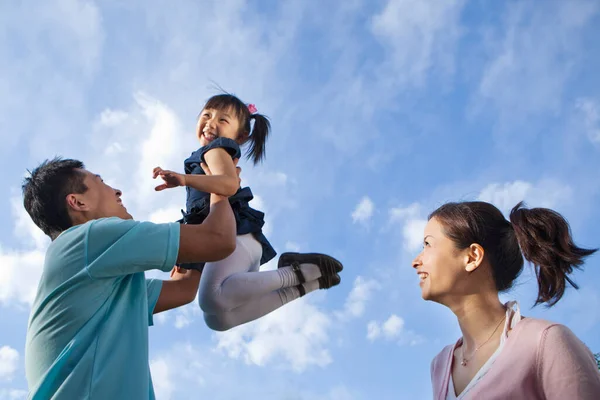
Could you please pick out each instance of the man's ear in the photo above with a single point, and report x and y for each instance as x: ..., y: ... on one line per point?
x: 76, y: 202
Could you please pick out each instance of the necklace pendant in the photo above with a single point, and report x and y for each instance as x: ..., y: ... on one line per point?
x: 463, y: 362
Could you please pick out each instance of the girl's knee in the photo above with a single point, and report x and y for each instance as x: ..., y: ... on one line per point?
x: 219, y: 322
x: 212, y: 303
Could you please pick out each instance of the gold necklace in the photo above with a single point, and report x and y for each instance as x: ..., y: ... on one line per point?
x: 462, y: 350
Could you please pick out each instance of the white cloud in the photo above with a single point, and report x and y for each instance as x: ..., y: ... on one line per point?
x: 414, y: 225
x: 24, y: 228
x: 21, y: 269
x: 13, y: 394
x: 294, y: 336
x: 162, y: 378
x: 161, y: 318
x: 187, y: 314
x: 9, y: 360
x: 546, y: 193
x: 393, y: 326
x: 19, y: 276
x: 373, y: 330
x: 165, y: 215
x: 111, y: 118
x: 390, y: 329
x: 589, y: 110
x: 192, y: 371
x: 151, y: 135
x: 363, y: 211
x: 359, y: 296
x: 422, y: 35
x: 393, y: 329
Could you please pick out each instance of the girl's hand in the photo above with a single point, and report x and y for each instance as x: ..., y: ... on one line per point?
x: 171, y: 179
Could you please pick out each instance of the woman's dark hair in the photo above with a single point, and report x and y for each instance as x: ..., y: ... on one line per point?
x: 257, y: 134
x: 45, y: 192
x: 540, y: 235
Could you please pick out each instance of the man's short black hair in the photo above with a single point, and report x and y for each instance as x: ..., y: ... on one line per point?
x: 45, y: 192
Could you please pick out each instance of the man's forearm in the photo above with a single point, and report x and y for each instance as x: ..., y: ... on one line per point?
x: 220, y: 218
x: 180, y: 290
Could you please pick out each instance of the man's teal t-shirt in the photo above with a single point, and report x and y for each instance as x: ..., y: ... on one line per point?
x: 88, y: 329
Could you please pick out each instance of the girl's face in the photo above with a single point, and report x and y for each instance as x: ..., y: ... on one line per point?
x: 440, y: 265
x: 217, y: 123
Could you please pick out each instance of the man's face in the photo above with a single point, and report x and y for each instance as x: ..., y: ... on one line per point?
x: 99, y: 201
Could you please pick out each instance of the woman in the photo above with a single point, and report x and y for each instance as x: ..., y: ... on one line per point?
x: 470, y: 254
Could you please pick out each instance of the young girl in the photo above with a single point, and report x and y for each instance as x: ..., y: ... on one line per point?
x: 233, y: 291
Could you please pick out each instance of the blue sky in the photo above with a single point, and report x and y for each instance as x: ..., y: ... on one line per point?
x: 381, y: 111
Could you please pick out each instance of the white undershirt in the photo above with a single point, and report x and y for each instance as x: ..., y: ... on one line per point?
x: 512, y: 318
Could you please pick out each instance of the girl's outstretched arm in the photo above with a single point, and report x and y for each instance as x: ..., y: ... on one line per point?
x: 222, y: 175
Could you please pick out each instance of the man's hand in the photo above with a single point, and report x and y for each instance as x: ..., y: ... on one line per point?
x: 171, y: 179
x: 180, y: 290
x: 178, y: 273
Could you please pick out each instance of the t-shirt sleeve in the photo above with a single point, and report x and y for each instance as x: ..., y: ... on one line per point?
x: 117, y: 247
x: 224, y: 143
x: 153, y: 288
x: 567, y: 367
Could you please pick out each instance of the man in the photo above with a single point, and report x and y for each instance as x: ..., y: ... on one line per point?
x: 88, y: 329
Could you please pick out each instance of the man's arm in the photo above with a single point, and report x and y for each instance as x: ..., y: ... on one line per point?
x: 214, y: 239
x: 180, y: 290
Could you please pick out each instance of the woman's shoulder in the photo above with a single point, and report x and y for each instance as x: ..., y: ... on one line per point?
x: 535, y: 333
x: 537, y: 326
x: 441, y: 360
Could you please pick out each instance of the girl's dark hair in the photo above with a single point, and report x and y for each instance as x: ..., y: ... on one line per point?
x: 541, y: 236
x: 257, y: 134
x: 45, y: 192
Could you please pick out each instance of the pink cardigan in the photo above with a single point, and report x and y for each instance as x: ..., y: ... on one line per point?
x: 540, y: 360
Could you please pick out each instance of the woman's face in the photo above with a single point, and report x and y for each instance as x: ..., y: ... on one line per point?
x: 440, y: 265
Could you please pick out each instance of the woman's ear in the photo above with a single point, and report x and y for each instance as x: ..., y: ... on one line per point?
x: 474, y: 257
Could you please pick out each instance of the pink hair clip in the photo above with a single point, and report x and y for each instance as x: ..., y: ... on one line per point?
x: 252, y: 108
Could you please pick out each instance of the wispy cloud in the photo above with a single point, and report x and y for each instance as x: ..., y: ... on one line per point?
x: 39, y: 85
x: 420, y: 37
x: 13, y: 394
x: 413, y: 225
x: 269, y: 339
x: 22, y: 267
x: 393, y: 329
x: 363, y: 211
x: 589, y: 110
x: 9, y: 359
x: 533, y: 55
x: 358, y: 298
x: 546, y: 193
